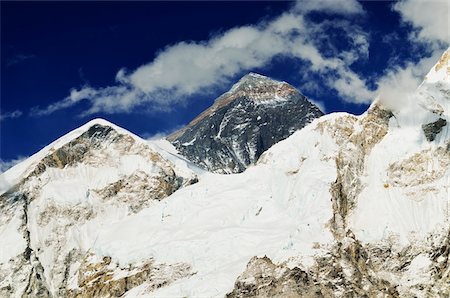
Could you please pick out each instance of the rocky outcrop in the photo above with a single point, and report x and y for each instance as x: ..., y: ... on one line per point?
x: 440, y: 266
x: 351, y: 269
x: 262, y: 278
x: 104, y: 278
x: 355, y: 138
x: 432, y: 129
x: 243, y: 123
x: 418, y: 172
x: 36, y: 286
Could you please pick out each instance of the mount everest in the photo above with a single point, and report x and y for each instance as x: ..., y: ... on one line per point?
x: 243, y: 123
x: 346, y: 206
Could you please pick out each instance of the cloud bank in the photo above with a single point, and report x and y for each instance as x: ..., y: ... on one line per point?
x: 187, y: 68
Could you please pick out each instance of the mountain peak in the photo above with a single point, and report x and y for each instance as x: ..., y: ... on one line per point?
x: 98, y: 127
x: 252, y: 87
x: 98, y: 121
x: 254, y: 114
x: 254, y: 81
x: 254, y: 76
x: 441, y: 70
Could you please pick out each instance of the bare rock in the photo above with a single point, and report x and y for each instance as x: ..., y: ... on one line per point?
x: 432, y: 129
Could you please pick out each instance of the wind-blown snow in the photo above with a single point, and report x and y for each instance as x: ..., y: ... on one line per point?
x: 393, y: 212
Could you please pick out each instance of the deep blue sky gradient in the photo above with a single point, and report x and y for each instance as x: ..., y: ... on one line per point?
x: 70, y: 44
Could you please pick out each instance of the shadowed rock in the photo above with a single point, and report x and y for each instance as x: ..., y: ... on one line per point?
x: 432, y: 129
x: 243, y: 123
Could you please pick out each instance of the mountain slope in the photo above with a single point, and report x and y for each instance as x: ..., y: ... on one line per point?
x: 338, y: 209
x: 98, y: 174
x: 390, y: 201
x: 243, y: 123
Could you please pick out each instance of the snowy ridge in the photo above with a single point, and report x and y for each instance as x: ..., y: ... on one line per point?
x: 13, y: 175
x: 425, y: 195
x: 97, y: 174
x: 170, y: 153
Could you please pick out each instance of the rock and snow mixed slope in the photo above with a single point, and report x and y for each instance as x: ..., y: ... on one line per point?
x: 244, y: 122
x: 349, y: 206
x: 389, y: 198
x: 51, y: 204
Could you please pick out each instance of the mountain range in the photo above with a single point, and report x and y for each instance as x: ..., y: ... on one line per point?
x: 261, y: 195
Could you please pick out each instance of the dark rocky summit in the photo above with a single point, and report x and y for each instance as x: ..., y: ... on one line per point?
x: 243, y: 123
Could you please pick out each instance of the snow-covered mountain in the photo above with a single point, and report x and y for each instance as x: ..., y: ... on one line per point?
x: 51, y: 203
x: 348, y: 206
x: 254, y: 114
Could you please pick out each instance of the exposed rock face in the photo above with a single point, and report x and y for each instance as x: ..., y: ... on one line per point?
x: 262, y: 278
x: 417, y: 173
x: 243, y: 123
x: 355, y: 138
x: 106, y: 279
x: 352, y: 269
x: 432, y: 129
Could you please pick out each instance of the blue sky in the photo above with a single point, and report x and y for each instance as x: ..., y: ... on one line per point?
x: 151, y: 67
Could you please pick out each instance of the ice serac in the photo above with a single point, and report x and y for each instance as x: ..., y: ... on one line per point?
x: 243, y: 123
x: 52, y: 202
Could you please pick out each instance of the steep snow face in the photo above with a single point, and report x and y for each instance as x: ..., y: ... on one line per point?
x: 12, y: 176
x: 279, y: 208
x: 256, y: 113
x: 390, y: 205
x: 408, y: 171
x: 97, y: 174
x: 89, y: 221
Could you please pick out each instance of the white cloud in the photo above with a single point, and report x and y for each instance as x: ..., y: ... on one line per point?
x: 430, y: 17
x: 74, y: 97
x: 430, y: 20
x: 7, y: 164
x: 398, y: 84
x: 330, y: 6
x: 319, y: 104
x: 155, y: 136
x: 10, y: 115
x: 189, y: 68
x: 351, y: 87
